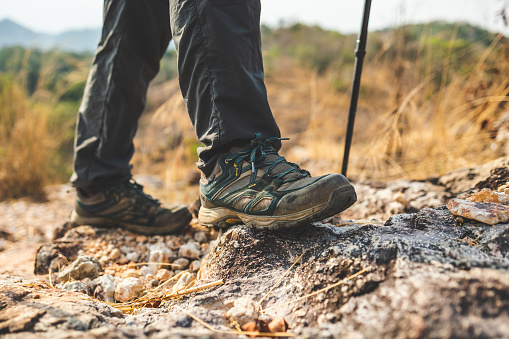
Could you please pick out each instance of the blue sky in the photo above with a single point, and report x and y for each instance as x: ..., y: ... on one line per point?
x: 54, y: 16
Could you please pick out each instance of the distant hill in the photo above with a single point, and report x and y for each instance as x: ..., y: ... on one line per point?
x: 14, y: 34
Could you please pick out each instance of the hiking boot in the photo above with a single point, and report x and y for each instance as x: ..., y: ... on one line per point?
x: 258, y: 187
x: 127, y: 206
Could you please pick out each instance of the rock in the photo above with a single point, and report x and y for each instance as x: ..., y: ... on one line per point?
x: 159, y: 255
x: 128, y: 289
x: 130, y: 273
x: 185, y: 279
x: 425, y: 273
x: 381, y: 200
x: 488, y: 213
x: 420, y: 256
x: 180, y: 264
x: 190, y: 251
x: 163, y: 275
x: 195, y: 266
x: 53, y: 256
x: 114, y: 254
x: 243, y: 311
x: 150, y: 283
x: 278, y: 324
x: 132, y: 256
x: 498, y: 177
x: 83, y: 267
x: 484, y: 176
x: 75, y: 286
x: 30, y: 310
x: 4, y: 234
x: 62, y: 229
x: 487, y: 195
x: 201, y: 237
x: 146, y: 270
x: 104, y: 288
x: 141, y: 239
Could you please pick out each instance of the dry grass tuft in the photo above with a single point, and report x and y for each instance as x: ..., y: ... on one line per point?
x: 26, y: 144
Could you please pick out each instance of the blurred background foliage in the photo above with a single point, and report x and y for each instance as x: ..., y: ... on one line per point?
x: 432, y: 99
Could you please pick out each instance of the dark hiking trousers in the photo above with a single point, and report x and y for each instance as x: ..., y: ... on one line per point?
x: 220, y: 73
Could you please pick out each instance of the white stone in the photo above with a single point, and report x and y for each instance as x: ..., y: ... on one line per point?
x: 146, y: 270
x: 185, y: 279
x: 128, y: 288
x: 132, y: 256
x: 75, y: 286
x: 81, y: 268
x: 159, y: 254
x: 195, y: 266
x: 130, y: 273
x: 107, y: 283
x: 190, y: 251
x: 180, y: 264
x: 488, y: 213
x: 201, y: 237
x: 163, y: 275
x: 243, y: 311
x: 115, y: 254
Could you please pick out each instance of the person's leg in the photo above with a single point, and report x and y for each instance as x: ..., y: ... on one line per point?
x: 135, y: 36
x: 221, y: 78
x: 221, y: 73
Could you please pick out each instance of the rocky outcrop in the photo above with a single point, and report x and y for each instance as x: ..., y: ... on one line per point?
x: 426, y: 276
x: 420, y: 274
x: 490, y: 175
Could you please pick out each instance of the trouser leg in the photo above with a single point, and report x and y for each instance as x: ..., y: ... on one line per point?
x: 135, y: 36
x: 221, y: 72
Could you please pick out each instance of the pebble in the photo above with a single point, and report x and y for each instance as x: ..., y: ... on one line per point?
x: 75, y: 286
x: 104, y: 288
x: 128, y: 288
x: 159, y: 254
x: 184, y: 280
x: 195, y: 266
x: 205, y: 247
x: 130, y: 273
x: 146, y: 270
x: 180, y: 264
x: 201, y: 237
x: 190, y: 251
x: 86, y: 281
x: 141, y: 239
x: 163, y: 275
x: 81, y: 268
x: 132, y: 256
x: 115, y: 254
x: 243, y: 311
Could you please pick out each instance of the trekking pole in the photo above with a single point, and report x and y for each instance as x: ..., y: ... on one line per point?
x: 360, y: 51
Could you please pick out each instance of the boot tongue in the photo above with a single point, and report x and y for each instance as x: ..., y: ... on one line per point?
x: 283, y: 166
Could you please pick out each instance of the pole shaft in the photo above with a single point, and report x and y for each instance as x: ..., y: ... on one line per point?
x: 360, y: 51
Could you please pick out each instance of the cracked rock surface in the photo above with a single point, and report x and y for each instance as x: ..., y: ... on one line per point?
x: 424, y: 276
x: 420, y: 274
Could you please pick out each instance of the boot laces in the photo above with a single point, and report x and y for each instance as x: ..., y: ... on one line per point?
x: 257, y: 153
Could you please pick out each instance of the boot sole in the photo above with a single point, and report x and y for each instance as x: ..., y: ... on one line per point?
x: 148, y: 230
x: 340, y: 199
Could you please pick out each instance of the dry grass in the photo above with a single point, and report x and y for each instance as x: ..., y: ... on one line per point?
x: 418, y: 116
x: 404, y: 127
x: 25, y: 145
